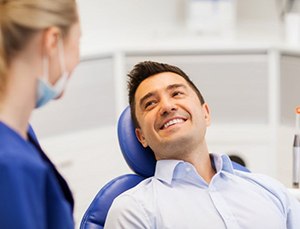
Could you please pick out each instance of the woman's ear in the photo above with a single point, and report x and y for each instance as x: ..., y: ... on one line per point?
x: 50, y: 40
x: 140, y: 136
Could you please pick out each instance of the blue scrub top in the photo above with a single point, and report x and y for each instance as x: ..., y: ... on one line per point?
x: 33, y: 195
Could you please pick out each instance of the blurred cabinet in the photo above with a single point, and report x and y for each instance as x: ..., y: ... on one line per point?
x: 289, y: 98
x: 235, y: 86
x: 289, y: 87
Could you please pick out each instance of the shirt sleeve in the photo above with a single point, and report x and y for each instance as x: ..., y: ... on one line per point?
x: 127, y: 212
x: 293, y: 214
x: 290, y: 205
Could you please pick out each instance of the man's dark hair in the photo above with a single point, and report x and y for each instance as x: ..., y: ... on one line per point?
x: 145, y: 69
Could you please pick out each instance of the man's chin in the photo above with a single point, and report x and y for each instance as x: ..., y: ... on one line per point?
x: 175, y: 141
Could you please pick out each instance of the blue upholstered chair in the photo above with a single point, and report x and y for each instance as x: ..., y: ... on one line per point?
x: 139, y: 159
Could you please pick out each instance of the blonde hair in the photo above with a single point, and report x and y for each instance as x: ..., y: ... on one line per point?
x: 21, y: 19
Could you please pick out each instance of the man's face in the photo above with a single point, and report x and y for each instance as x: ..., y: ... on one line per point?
x: 170, y: 115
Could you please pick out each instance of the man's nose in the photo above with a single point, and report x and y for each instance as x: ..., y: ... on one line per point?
x: 167, y: 105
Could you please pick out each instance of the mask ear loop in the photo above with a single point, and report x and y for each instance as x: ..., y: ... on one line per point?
x: 61, y: 55
x: 62, y: 81
x: 45, y: 76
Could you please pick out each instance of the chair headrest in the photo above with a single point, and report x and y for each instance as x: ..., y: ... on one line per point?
x: 141, y: 160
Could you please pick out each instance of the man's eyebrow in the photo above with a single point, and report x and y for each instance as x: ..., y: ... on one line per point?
x: 174, y: 86
x: 170, y: 87
x: 145, y: 97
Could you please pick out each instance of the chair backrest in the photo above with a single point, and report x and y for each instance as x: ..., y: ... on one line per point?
x: 141, y: 160
x: 94, y: 217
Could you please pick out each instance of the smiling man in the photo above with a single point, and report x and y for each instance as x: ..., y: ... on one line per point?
x: 191, y: 188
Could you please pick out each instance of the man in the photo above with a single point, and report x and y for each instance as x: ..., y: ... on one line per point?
x: 191, y: 188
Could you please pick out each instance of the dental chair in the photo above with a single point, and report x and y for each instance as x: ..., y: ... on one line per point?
x: 141, y: 161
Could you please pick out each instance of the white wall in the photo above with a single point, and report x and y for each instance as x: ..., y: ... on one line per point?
x: 115, y: 21
x: 257, y: 18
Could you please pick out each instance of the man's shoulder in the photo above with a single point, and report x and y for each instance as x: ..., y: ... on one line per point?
x: 145, y: 187
x: 133, y: 208
x: 268, y: 183
x: 143, y: 193
x: 261, y: 179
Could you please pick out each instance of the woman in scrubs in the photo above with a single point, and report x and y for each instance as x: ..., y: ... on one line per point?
x: 39, y: 48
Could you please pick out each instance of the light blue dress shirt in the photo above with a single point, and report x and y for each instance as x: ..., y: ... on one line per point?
x: 177, y: 197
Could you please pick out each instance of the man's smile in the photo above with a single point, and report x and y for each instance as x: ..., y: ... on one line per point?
x: 172, y: 121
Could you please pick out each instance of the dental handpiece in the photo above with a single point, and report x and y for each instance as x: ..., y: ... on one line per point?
x: 296, y: 151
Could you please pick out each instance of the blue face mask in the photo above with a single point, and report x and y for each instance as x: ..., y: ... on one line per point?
x: 45, y: 91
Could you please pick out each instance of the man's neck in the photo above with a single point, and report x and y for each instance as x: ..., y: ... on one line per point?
x: 197, y: 155
x: 203, y: 165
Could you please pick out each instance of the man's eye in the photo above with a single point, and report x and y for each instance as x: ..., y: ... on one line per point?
x: 149, y: 104
x: 176, y: 93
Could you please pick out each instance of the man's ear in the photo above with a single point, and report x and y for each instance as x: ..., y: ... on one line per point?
x: 206, y: 111
x: 140, y: 136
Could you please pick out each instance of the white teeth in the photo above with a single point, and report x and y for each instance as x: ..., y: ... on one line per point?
x: 172, y: 122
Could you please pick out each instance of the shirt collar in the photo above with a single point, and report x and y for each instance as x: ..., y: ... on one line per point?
x: 221, y: 163
x: 166, y: 169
